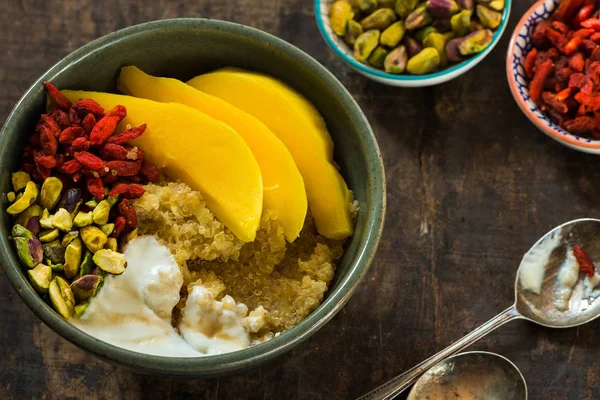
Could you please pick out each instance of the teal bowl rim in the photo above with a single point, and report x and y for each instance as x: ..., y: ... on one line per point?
x: 382, y: 74
x: 209, y: 366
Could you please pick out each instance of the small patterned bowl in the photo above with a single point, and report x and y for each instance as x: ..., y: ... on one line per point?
x: 520, y: 44
x: 345, y: 52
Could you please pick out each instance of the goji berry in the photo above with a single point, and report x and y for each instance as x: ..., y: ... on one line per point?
x: 591, y: 23
x: 582, y: 82
x: 119, y: 111
x: 74, y: 116
x: 150, y: 172
x: 530, y: 62
x: 112, y: 151
x: 557, y: 39
x: 59, y: 99
x: 552, y: 101
x: 119, y: 227
x: 49, y: 123
x: 88, y: 106
x: 71, y: 166
x: 118, y: 189
x: 127, y: 135
x: 564, y: 94
x: 88, y: 123
x: 537, y: 84
x: 34, y: 139
x: 538, y: 36
x: 572, y: 45
x: 70, y: 134
x: 61, y: 118
x: 103, y: 130
x: 128, y: 212
x: 89, y: 160
x: 583, y: 33
x: 77, y: 176
x: 48, y: 141
x: 579, y: 125
x: 43, y: 172
x: 134, y: 191
x: 124, y: 168
x: 95, y: 186
x: 584, y: 13
x: 576, y: 62
x: 89, y: 172
x: 28, y: 153
x: 80, y: 144
x: 109, y: 178
x: 591, y: 100
x: 560, y: 26
x: 586, y: 265
x: 60, y: 160
x: 46, y: 161
x: 36, y: 176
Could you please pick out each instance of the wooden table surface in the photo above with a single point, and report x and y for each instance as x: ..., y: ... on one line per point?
x: 471, y: 185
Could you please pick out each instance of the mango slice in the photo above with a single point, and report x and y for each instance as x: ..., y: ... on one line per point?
x: 201, y: 151
x: 284, y: 191
x: 301, y: 128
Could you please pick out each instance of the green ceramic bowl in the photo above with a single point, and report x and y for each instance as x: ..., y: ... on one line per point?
x: 184, y: 48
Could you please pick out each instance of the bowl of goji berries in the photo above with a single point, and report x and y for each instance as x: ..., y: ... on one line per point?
x: 553, y: 70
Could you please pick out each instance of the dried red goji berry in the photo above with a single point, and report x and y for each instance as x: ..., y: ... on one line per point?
x: 579, y: 125
x: 128, y: 212
x: 586, y: 265
x: 103, y: 130
x: 89, y: 160
x: 572, y: 45
x: 48, y: 142
x: 583, y: 33
x: 61, y: 118
x: 70, y: 134
x: 564, y: 94
x: 591, y: 100
x: 119, y: 111
x: 89, y: 172
x: 557, y: 39
x: 80, y: 144
x: 88, y: 106
x: 124, y: 168
x: 591, y: 23
x: 59, y: 99
x: 127, y: 135
x: 49, y: 123
x: 582, y: 82
x: 530, y: 62
x: 583, y: 14
x: 150, y: 172
x: 550, y: 99
x: 77, y: 176
x: 88, y: 123
x: 537, y: 83
x: 553, y: 54
x: 60, y: 160
x: 119, y: 227
x: 74, y: 116
x: 596, y: 133
x: 43, y: 172
x: 118, y: 189
x: 28, y: 153
x: 560, y: 26
x: 576, y: 62
x: 46, y: 161
x: 71, y: 166
x: 36, y: 176
x: 134, y: 191
x: 112, y: 151
x: 109, y: 178
x: 34, y: 140
x: 538, y: 36
x: 95, y: 186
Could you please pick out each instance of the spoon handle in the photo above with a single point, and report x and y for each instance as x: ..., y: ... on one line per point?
x: 398, y: 384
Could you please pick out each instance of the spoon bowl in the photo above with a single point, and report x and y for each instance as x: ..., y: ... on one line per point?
x: 471, y: 375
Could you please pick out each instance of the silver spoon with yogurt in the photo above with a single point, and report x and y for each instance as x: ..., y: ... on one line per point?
x: 549, y: 290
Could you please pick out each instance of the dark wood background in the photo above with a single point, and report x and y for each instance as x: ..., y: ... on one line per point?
x: 471, y: 185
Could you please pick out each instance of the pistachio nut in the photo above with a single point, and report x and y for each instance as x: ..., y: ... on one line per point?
x: 46, y: 220
x: 99, y: 271
x: 422, y: 33
x: 442, y: 25
x: 71, y: 200
x: 442, y: 8
x: 63, y: 220
x: 365, y: 44
x: 100, y: 213
x: 48, y: 235
x: 386, y: 3
x: 353, y: 32
x: 452, y: 52
x: 28, y: 246
x: 461, y: 23
x: 80, y: 309
x: 57, y: 268
x: 93, y: 238
x: 392, y: 36
x: 87, y: 264
x: 427, y: 61
x: 497, y: 5
x: 40, y: 278
x: 33, y: 224
x: 413, y: 47
x: 489, y: 18
x: 107, y: 228
x: 466, y: 4
x: 50, y: 192
x: 395, y: 62
x: 130, y: 236
x: 11, y: 196
x: 377, y: 57
x: 20, y: 180
x: 91, y: 203
x: 379, y: 20
x: 364, y: 5
x: 54, y: 251
x: 86, y: 287
x: 111, y: 244
x: 112, y: 200
x: 438, y: 42
x: 73, y: 258
x: 418, y: 18
x: 339, y: 15
x: 83, y: 219
x: 475, y: 42
x: 404, y: 7
x: 62, y: 297
x: 28, y: 198
x: 68, y: 238
x: 110, y: 261
x: 31, y: 211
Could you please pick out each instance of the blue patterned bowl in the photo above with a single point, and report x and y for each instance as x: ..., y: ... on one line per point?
x: 520, y: 44
x: 345, y: 53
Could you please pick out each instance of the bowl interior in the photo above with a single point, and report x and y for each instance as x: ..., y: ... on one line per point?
x: 343, y: 50
x: 182, y: 49
x: 519, y: 47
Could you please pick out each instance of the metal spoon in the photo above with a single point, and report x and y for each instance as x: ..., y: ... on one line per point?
x: 472, y: 375
x: 528, y: 305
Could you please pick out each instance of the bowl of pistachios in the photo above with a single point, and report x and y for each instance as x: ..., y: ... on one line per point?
x: 412, y: 43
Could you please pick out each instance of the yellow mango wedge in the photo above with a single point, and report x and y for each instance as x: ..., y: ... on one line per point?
x: 300, y: 127
x: 203, y: 152
x: 284, y: 191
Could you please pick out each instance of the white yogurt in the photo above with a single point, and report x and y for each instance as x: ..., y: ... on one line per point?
x: 589, y: 284
x: 533, y: 265
x: 565, y: 281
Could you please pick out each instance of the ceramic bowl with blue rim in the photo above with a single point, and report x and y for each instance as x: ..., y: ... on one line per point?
x: 520, y: 44
x: 344, y: 51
